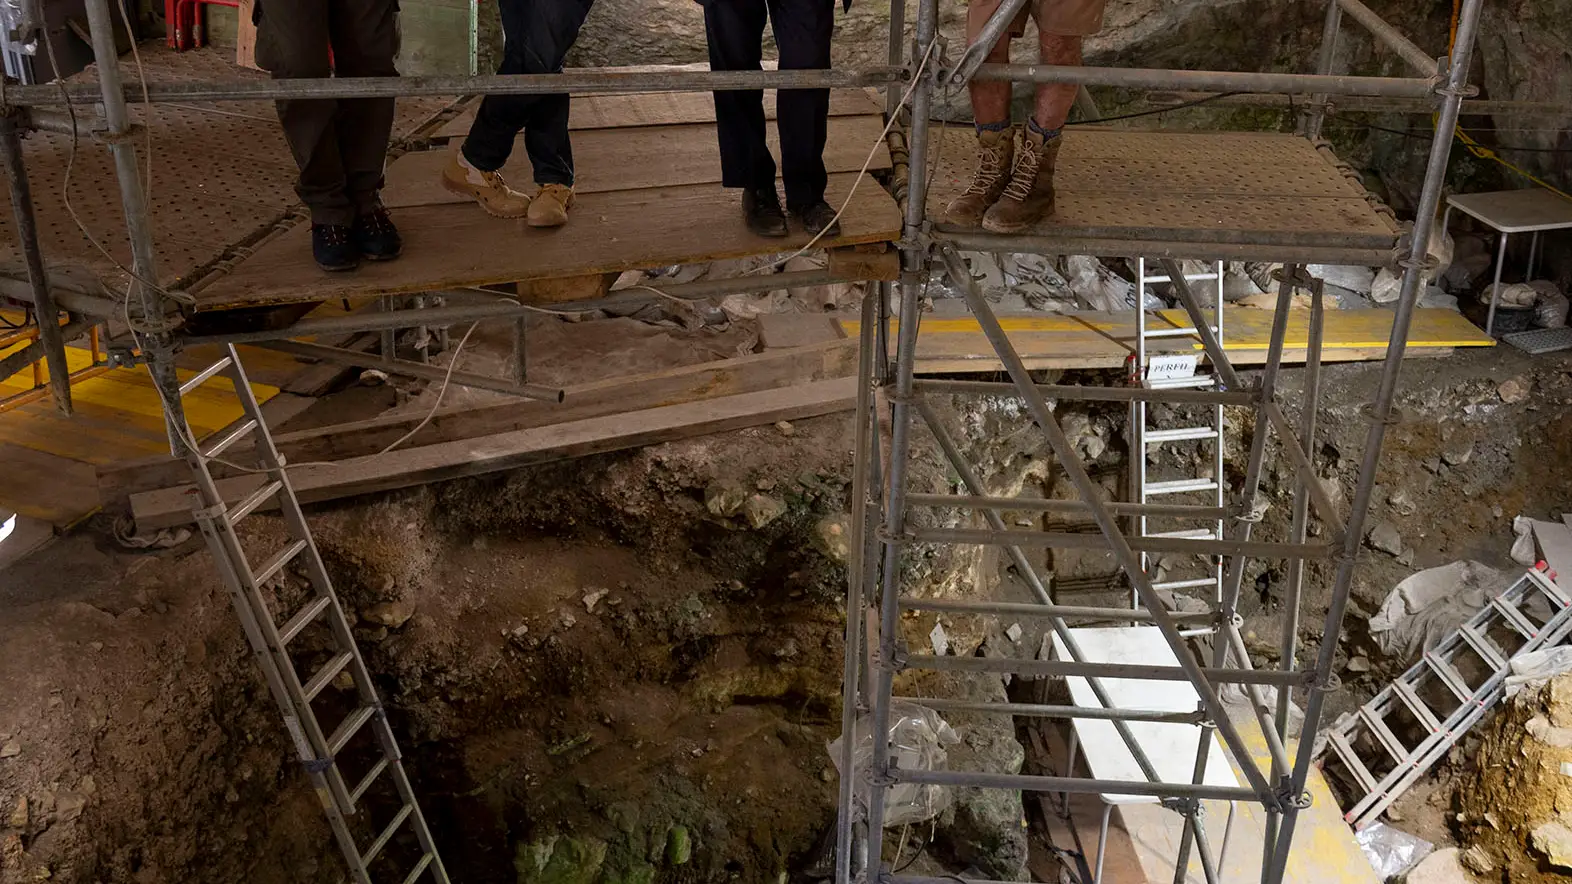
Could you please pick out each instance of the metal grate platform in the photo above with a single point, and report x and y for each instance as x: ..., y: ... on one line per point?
x: 1541, y: 340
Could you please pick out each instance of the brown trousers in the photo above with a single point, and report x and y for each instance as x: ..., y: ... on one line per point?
x: 340, y: 145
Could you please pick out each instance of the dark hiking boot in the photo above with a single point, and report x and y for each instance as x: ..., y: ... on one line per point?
x: 762, y: 209
x: 376, y: 238
x: 331, y: 246
x: 819, y: 218
x: 1028, y: 198
x: 995, y: 158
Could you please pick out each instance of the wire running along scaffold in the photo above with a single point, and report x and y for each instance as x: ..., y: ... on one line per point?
x: 879, y: 533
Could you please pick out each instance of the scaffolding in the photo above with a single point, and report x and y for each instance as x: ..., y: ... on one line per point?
x: 882, y: 534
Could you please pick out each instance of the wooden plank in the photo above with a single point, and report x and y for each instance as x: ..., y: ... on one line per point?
x: 1555, y: 548
x: 566, y: 288
x: 455, y: 246
x: 1104, y: 340
x: 505, y: 451
x: 762, y: 372
x: 627, y: 110
x: 876, y: 262
x: 47, y: 487
x: 676, y: 155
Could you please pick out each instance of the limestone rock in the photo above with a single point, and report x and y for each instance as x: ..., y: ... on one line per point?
x: 393, y: 615
x: 1554, y: 840
x: 832, y: 537
x: 762, y: 510
x: 1457, y: 450
x: 983, y: 828
x: 725, y: 498
x: 19, y: 816
x: 1386, y: 538
x: 1515, y: 390
x: 10, y: 749
x: 560, y: 860
x: 1441, y: 867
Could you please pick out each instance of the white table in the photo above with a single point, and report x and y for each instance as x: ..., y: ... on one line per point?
x: 1532, y: 210
x: 1170, y: 747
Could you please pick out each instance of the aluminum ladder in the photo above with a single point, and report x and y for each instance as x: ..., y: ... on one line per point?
x: 1458, y: 696
x: 319, y: 750
x: 1176, y: 370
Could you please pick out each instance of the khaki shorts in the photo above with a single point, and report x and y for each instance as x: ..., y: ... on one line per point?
x: 1060, y: 18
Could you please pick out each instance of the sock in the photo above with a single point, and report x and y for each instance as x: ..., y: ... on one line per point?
x: 992, y: 127
x: 1047, y: 134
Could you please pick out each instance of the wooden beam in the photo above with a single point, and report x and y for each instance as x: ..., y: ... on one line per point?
x: 823, y: 361
x: 505, y: 451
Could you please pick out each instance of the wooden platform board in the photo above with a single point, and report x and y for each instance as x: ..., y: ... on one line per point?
x: 626, y: 110
x: 450, y: 246
x: 677, y: 156
x: 1211, y: 187
x: 1105, y: 340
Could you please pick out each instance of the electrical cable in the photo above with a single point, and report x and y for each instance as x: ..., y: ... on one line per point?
x: 1158, y: 110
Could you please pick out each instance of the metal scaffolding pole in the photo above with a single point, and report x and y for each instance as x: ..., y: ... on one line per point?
x: 1414, y: 265
x: 44, y: 309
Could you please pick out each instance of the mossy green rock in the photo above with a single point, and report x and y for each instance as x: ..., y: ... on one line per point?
x: 560, y: 860
x: 679, y: 847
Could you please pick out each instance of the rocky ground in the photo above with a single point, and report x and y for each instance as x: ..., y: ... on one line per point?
x: 626, y: 668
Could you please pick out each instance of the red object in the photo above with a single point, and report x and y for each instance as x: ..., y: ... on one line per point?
x: 183, y: 20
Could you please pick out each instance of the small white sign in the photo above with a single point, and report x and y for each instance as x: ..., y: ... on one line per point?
x: 1172, y: 367
x: 940, y: 641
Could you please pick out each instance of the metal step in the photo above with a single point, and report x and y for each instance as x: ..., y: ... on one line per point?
x: 1194, y: 583
x: 205, y: 375
x: 1194, y: 381
x: 1180, y: 486
x: 1180, y: 332
x: 1178, y: 434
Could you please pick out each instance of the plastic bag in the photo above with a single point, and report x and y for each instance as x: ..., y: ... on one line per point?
x: 918, y: 740
x: 1391, y: 851
x: 1538, y: 667
x: 12, y: 19
x: 1550, y: 308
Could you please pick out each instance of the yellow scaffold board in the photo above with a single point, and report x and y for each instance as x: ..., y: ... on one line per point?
x: 1105, y: 340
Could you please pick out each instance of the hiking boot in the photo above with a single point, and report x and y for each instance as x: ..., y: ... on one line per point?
x: 995, y: 157
x: 331, y: 246
x: 762, y: 209
x: 486, y: 188
x: 819, y: 218
x: 375, y: 236
x: 549, y: 208
x: 1028, y: 198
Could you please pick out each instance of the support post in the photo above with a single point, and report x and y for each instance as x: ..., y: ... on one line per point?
x: 1328, y: 57
x: 48, y: 315
x: 992, y: 32
x: 1414, y: 265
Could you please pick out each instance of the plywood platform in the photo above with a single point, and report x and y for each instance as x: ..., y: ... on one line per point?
x: 1192, y: 187
x: 1106, y: 340
x: 221, y: 174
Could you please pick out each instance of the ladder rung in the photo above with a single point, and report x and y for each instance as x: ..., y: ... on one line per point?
x: 368, y: 779
x: 1186, y: 584
x: 1449, y: 677
x: 1197, y: 380
x: 1180, y: 486
x: 1185, y: 534
x: 205, y: 375
x: 1181, y: 332
x: 347, y: 728
x: 1189, y: 277
x: 326, y: 674
x: 419, y: 867
x: 231, y: 438
x: 303, y: 618
x: 1383, y: 734
x: 1179, y: 434
x: 277, y: 563
x: 249, y: 504
x: 1345, y: 751
x: 1515, y: 618
x: 387, y: 835
x: 1482, y: 646
x: 1416, y: 706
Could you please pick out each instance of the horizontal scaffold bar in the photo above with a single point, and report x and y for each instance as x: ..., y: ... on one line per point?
x: 1089, y: 540
x: 1155, y: 243
x: 1223, y: 81
x: 1089, y: 669
x: 1071, y: 392
x: 1043, y: 710
x: 1026, y: 504
x: 1081, y: 785
x: 1037, y: 609
x: 582, y: 82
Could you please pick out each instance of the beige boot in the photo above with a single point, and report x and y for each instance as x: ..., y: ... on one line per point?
x: 550, y: 206
x: 1028, y: 198
x: 486, y: 188
x: 995, y: 156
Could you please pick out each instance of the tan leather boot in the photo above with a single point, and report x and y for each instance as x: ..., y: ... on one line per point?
x: 1028, y: 198
x: 550, y: 206
x: 486, y: 188
x: 995, y: 157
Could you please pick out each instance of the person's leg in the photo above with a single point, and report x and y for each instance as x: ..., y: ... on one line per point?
x: 472, y: 169
x: 803, y: 29
x: 551, y: 29
x: 735, y: 32
x: 1029, y: 197
x: 365, y: 39
x: 292, y: 43
x: 995, y: 137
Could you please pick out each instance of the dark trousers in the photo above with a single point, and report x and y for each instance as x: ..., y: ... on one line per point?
x: 340, y: 145
x: 537, y: 36
x: 803, y: 28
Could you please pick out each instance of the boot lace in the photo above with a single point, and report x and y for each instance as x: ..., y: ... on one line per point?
x: 990, y: 168
x: 1022, y: 179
